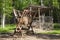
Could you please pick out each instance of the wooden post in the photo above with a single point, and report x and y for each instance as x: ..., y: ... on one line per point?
x: 39, y: 17
x: 43, y: 16
x: 30, y: 11
x: 52, y: 15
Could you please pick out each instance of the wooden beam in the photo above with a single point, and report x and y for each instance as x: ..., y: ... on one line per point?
x: 39, y: 17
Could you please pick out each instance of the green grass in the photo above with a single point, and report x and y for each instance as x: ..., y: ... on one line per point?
x: 11, y: 27
x: 8, y: 28
x: 51, y: 32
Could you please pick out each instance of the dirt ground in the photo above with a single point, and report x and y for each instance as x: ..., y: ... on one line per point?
x: 30, y: 37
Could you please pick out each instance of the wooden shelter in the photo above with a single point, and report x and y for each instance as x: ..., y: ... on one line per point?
x: 39, y: 14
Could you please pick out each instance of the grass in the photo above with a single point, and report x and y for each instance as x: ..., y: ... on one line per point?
x: 9, y: 28
x: 51, y: 32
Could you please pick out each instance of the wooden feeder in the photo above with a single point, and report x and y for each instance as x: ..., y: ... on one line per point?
x: 40, y: 11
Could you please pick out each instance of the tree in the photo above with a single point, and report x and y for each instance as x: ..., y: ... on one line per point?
x: 21, y: 4
x: 56, y: 13
x: 0, y: 10
x: 7, y: 9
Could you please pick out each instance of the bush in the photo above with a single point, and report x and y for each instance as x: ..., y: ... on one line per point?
x: 57, y: 26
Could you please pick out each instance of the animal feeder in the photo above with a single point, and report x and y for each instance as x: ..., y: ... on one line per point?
x: 44, y: 16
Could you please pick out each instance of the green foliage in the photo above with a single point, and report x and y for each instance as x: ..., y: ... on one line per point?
x: 55, y: 3
x: 7, y: 7
x: 57, y: 26
x: 21, y: 4
x: 0, y: 6
x: 56, y: 10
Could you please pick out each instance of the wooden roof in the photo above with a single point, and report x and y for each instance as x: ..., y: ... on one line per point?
x: 42, y: 8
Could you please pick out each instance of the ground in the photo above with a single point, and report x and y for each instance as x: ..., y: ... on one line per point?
x: 30, y: 37
x: 53, y: 35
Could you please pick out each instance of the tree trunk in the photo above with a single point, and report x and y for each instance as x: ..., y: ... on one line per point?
x: 3, y: 21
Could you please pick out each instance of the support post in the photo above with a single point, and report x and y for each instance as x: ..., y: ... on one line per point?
x: 39, y: 17
x: 30, y: 11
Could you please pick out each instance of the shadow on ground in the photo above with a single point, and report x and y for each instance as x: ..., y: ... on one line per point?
x: 43, y: 36
x: 47, y: 36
